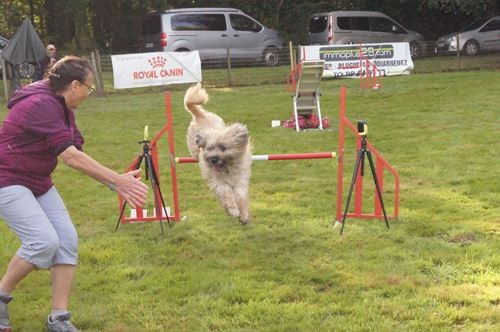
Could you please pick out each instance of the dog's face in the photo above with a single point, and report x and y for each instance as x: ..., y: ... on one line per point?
x: 222, y: 148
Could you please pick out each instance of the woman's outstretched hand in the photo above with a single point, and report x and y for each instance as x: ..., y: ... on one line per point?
x: 130, y: 187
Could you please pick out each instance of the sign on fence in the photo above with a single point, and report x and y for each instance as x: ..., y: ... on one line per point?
x: 346, y: 60
x: 160, y: 68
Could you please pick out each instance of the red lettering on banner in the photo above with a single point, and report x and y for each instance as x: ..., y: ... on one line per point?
x: 175, y: 72
x: 172, y: 72
x: 139, y: 75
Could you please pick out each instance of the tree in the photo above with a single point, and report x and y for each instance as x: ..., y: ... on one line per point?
x: 115, y: 25
x: 13, y: 12
x: 470, y: 7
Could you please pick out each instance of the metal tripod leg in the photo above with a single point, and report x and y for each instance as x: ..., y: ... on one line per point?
x: 359, y: 160
x: 137, y: 166
x: 379, y: 192
x: 155, y: 185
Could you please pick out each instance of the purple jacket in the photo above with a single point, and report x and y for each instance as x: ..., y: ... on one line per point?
x: 36, y: 130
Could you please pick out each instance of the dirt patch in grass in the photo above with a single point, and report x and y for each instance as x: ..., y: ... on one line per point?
x: 463, y: 239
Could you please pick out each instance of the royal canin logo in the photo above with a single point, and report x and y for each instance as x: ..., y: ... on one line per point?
x: 157, y: 62
x: 158, y: 70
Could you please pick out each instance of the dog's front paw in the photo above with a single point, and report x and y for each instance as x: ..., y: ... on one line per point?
x: 233, y: 212
x: 244, y: 219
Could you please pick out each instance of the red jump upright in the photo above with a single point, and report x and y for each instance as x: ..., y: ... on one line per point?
x: 380, y: 164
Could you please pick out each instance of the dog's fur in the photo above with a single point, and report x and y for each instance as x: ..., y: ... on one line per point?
x: 223, y: 152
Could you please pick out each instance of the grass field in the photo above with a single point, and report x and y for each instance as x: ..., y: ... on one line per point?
x: 436, y: 268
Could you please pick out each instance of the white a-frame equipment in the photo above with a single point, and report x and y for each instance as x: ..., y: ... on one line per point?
x: 306, y: 95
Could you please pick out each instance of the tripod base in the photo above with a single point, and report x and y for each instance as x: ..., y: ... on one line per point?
x: 159, y: 202
x: 337, y: 224
x: 359, y: 170
x: 134, y: 215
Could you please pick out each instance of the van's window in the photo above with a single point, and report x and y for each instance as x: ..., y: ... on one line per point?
x: 354, y: 23
x: 345, y: 23
x: 491, y: 26
x: 207, y: 22
x: 318, y: 24
x: 151, y: 25
x: 383, y: 24
x: 243, y: 23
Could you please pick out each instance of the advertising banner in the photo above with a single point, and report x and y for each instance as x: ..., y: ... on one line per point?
x: 160, y: 68
x: 350, y: 60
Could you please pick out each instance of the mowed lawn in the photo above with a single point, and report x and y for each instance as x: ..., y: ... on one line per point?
x: 435, y: 269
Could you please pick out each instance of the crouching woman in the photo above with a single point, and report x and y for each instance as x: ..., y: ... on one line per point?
x: 39, y: 128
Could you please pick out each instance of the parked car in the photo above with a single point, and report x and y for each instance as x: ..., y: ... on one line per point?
x: 482, y: 35
x: 3, y: 43
x: 211, y: 31
x: 360, y: 27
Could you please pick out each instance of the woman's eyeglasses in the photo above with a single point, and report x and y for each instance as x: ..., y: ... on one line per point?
x: 91, y: 87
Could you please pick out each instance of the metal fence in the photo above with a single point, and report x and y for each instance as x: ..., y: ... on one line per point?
x: 223, y: 72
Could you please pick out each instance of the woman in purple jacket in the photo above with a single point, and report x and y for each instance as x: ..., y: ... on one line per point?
x: 39, y: 128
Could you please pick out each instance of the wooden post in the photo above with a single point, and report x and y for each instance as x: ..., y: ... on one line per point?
x: 458, y: 53
x: 4, y: 78
x: 99, y: 70
x: 99, y: 87
x: 229, y: 79
x: 292, y: 56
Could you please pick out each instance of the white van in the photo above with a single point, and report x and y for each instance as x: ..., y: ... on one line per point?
x: 211, y: 31
x: 360, y: 27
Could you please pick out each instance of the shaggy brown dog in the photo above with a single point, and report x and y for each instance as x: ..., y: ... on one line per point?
x: 223, y: 153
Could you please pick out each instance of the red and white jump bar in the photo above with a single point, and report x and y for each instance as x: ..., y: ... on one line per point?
x: 270, y: 157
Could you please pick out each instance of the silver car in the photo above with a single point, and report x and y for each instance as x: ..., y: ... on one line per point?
x: 361, y: 27
x: 482, y: 35
x: 211, y: 31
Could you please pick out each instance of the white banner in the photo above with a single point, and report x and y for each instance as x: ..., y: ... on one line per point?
x: 344, y: 60
x: 159, y: 68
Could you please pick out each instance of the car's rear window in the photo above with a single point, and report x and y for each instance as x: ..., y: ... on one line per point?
x: 318, y: 24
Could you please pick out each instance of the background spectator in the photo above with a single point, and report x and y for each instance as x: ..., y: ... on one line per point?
x: 46, y: 63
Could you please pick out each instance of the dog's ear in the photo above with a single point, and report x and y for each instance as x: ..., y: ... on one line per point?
x: 238, y: 133
x: 200, y: 140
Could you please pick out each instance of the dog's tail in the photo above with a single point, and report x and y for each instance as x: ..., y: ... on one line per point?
x: 193, y: 99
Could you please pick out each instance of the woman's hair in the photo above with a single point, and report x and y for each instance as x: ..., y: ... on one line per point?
x: 68, y: 69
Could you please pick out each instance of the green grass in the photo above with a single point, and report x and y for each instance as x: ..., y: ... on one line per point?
x: 436, y: 269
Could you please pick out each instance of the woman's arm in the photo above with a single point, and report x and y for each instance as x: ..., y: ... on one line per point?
x: 127, y: 185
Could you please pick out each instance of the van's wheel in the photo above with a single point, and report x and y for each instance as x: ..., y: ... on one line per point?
x: 271, y: 56
x: 471, y: 47
x: 415, y: 49
x: 182, y: 50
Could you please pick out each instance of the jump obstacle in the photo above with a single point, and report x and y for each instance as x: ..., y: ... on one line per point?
x: 370, y: 77
x: 168, y: 129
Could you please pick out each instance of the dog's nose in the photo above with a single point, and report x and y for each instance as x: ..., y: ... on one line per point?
x: 214, y: 160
